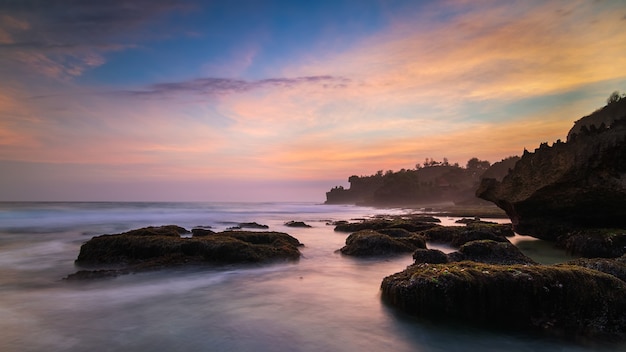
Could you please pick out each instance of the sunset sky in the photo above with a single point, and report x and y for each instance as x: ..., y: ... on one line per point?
x: 282, y: 100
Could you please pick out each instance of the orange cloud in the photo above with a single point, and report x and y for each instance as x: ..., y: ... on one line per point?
x: 497, y: 50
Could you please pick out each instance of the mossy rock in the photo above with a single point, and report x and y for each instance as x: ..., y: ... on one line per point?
x: 297, y: 224
x: 456, y: 236
x: 615, y: 267
x: 411, y: 225
x: 135, y: 250
x: 561, y: 300
x: 372, y: 243
x: 432, y: 256
x: 595, y: 243
x: 490, y: 252
x: 166, y: 230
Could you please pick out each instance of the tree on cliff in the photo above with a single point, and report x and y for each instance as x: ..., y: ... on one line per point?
x: 615, y: 97
x: 477, y: 167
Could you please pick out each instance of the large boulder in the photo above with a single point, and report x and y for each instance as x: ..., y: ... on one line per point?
x: 570, y: 185
x: 562, y: 300
x: 151, y: 248
x: 372, y: 243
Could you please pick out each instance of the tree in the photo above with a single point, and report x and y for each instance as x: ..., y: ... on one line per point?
x: 477, y: 167
x: 614, y: 98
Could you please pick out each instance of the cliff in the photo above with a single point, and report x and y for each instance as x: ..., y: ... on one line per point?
x: 432, y: 183
x: 570, y: 185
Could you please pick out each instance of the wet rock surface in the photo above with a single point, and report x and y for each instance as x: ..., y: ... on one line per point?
x: 563, y: 300
x: 297, y: 224
x: 457, y: 236
x: 161, y: 247
x: 372, y: 243
x: 411, y: 224
x: 595, y: 243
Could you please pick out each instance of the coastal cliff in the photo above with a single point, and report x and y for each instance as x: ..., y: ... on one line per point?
x: 580, y: 183
x: 432, y: 182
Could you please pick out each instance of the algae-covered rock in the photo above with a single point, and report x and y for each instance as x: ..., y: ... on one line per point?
x: 297, y: 224
x: 595, y: 243
x: 615, y: 267
x: 562, y: 300
x: 432, y: 256
x: 372, y: 243
x: 152, y: 248
x: 412, y: 225
x: 490, y: 252
x: 457, y: 236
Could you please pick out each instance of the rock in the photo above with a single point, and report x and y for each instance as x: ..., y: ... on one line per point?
x: 396, y: 232
x: 432, y: 256
x: 252, y: 225
x: 138, y: 250
x: 457, y: 236
x: 378, y: 224
x: 82, y: 275
x: 595, y: 243
x: 615, y: 267
x: 490, y: 252
x: 578, y: 184
x: 562, y: 300
x: 296, y: 224
x: 372, y: 243
x: 475, y: 220
x: 167, y: 230
x: 199, y: 232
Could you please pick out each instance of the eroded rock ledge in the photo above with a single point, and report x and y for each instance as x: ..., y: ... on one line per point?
x: 572, y: 185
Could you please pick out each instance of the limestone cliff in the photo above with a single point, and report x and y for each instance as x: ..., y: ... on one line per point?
x: 580, y: 183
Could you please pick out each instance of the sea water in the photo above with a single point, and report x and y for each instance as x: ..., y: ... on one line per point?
x: 323, y: 302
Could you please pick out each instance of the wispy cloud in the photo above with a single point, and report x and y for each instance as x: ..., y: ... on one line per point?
x: 62, y: 39
x: 220, y: 86
x: 486, y: 50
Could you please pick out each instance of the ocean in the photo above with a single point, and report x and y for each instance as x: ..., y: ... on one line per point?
x: 323, y: 302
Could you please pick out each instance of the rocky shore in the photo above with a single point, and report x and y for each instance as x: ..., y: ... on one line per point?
x: 489, y: 282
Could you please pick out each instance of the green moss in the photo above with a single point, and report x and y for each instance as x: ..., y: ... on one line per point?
x: 565, y: 298
x: 157, y: 247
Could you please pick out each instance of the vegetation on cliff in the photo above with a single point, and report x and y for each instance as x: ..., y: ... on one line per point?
x: 430, y: 182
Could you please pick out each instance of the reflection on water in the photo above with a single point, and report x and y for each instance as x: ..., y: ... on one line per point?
x: 541, y: 251
x: 325, y: 302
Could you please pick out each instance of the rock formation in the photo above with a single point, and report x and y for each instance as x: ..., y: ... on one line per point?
x: 372, y: 243
x: 158, y: 247
x: 570, y: 185
x: 564, y: 300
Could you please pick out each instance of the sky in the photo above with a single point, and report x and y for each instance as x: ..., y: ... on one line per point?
x: 168, y: 100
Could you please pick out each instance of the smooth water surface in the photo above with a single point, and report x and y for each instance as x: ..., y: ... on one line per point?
x: 324, y: 302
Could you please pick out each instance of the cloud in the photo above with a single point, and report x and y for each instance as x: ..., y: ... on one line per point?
x: 220, y: 86
x: 62, y: 39
x: 485, y: 50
